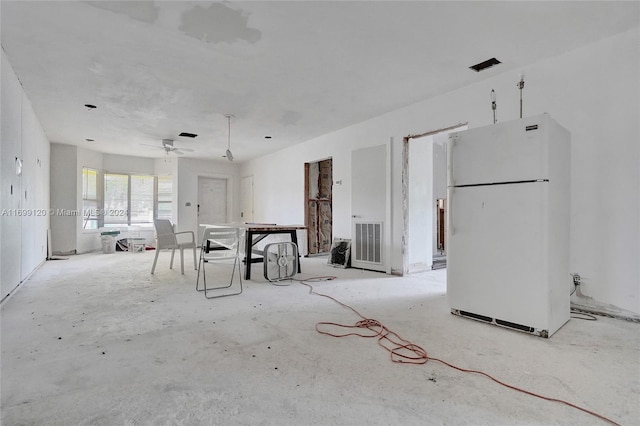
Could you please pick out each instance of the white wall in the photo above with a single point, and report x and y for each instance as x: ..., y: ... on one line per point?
x: 63, y: 198
x: 68, y: 233
x: 187, y: 189
x: 597, y: 100
x: 25, y: 221
x: 87, y: 240
x: 419, y: 205
x: 35, y: 189
x: 127, y: 164
x: 11, y: 147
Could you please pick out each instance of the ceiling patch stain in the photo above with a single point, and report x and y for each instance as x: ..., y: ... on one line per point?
x: 133, y: 92
x: 218, y: 23
x: 290, y: 118
x: 145, y: 11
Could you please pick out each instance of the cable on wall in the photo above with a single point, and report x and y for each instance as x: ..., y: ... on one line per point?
x: 403, y: 351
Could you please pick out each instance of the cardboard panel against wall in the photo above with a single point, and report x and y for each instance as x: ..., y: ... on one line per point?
x: 325, y: 180
x: 312, y: 228
x: 324, y: 226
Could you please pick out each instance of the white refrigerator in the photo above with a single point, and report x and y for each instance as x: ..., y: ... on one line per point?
x: 508, y: 224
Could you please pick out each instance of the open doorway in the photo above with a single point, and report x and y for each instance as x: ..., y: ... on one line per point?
x: 424, y: 190
x: 440, y: 253
x: 318, y: 207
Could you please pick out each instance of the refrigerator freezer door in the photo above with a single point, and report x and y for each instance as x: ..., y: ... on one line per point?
x: 497, y: 260
x: 507, y: 152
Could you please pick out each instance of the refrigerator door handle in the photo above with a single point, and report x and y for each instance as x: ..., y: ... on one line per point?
x: 450, y: 145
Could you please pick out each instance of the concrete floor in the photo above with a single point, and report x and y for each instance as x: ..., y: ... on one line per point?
x: 97, y: 340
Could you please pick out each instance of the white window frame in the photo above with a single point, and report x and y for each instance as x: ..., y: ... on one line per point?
x: 97, y: 214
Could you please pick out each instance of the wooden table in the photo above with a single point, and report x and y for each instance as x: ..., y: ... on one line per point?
x: 256, y: 232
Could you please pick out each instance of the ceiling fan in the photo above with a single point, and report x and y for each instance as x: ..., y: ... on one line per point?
x: 167, y: 146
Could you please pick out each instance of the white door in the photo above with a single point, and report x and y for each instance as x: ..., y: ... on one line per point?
x: 246, y: 199
x: 370, y: 186
x: 212, y: 202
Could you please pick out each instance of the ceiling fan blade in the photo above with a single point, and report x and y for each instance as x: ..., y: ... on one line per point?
x: 152, y: 146
x: 177, y: 151
x: 229, y: 155
x: 186, y: 149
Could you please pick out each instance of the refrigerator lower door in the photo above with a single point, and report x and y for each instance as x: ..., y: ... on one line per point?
x: 498, y: 256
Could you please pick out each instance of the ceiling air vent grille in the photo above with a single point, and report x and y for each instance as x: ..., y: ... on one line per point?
x: 187, y: 135
x: 484, y: 65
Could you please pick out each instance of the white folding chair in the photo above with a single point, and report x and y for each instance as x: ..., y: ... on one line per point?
x: 167, y: 238
x: 219, y: 244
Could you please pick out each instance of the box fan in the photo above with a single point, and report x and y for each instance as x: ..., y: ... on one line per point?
x: 280, y: 261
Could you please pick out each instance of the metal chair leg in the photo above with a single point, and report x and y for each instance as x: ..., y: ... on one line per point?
x: 195, y: 265
x: 155, y: 260
x: 200, y: 265
x: 208, y: 290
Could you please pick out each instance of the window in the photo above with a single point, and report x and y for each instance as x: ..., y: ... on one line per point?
x: 123, y: 199
x: 90, y: 199
x: 116, y: 199
x: 141, y: 204
x: 164, y: 196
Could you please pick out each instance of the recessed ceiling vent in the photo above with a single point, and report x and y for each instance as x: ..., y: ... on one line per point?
x: 486, y: 64
x: 187, y: 135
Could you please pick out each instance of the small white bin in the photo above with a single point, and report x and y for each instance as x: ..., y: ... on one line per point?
x: 108, y: 244
x: 109, y: 241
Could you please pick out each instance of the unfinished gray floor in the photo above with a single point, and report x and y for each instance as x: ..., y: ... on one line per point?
x: 97, y: 340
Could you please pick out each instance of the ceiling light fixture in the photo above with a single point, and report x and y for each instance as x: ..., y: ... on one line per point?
x: 494, y: 106
x: 229, y: 154
x: 520, y: 86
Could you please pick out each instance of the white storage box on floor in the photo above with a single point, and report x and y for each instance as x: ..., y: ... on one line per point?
x: 109, y: 241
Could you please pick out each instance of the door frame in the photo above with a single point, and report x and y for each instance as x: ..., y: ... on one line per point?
x: 307, y: 218
x: 405, y: 188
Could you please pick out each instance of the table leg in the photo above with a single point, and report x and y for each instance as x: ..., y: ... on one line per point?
x: 248, y: 247
x: 294, y: 239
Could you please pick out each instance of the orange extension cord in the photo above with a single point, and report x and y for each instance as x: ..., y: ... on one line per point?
x: 403, y: 351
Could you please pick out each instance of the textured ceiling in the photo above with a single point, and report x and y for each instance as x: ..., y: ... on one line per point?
x: 291, y: 70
